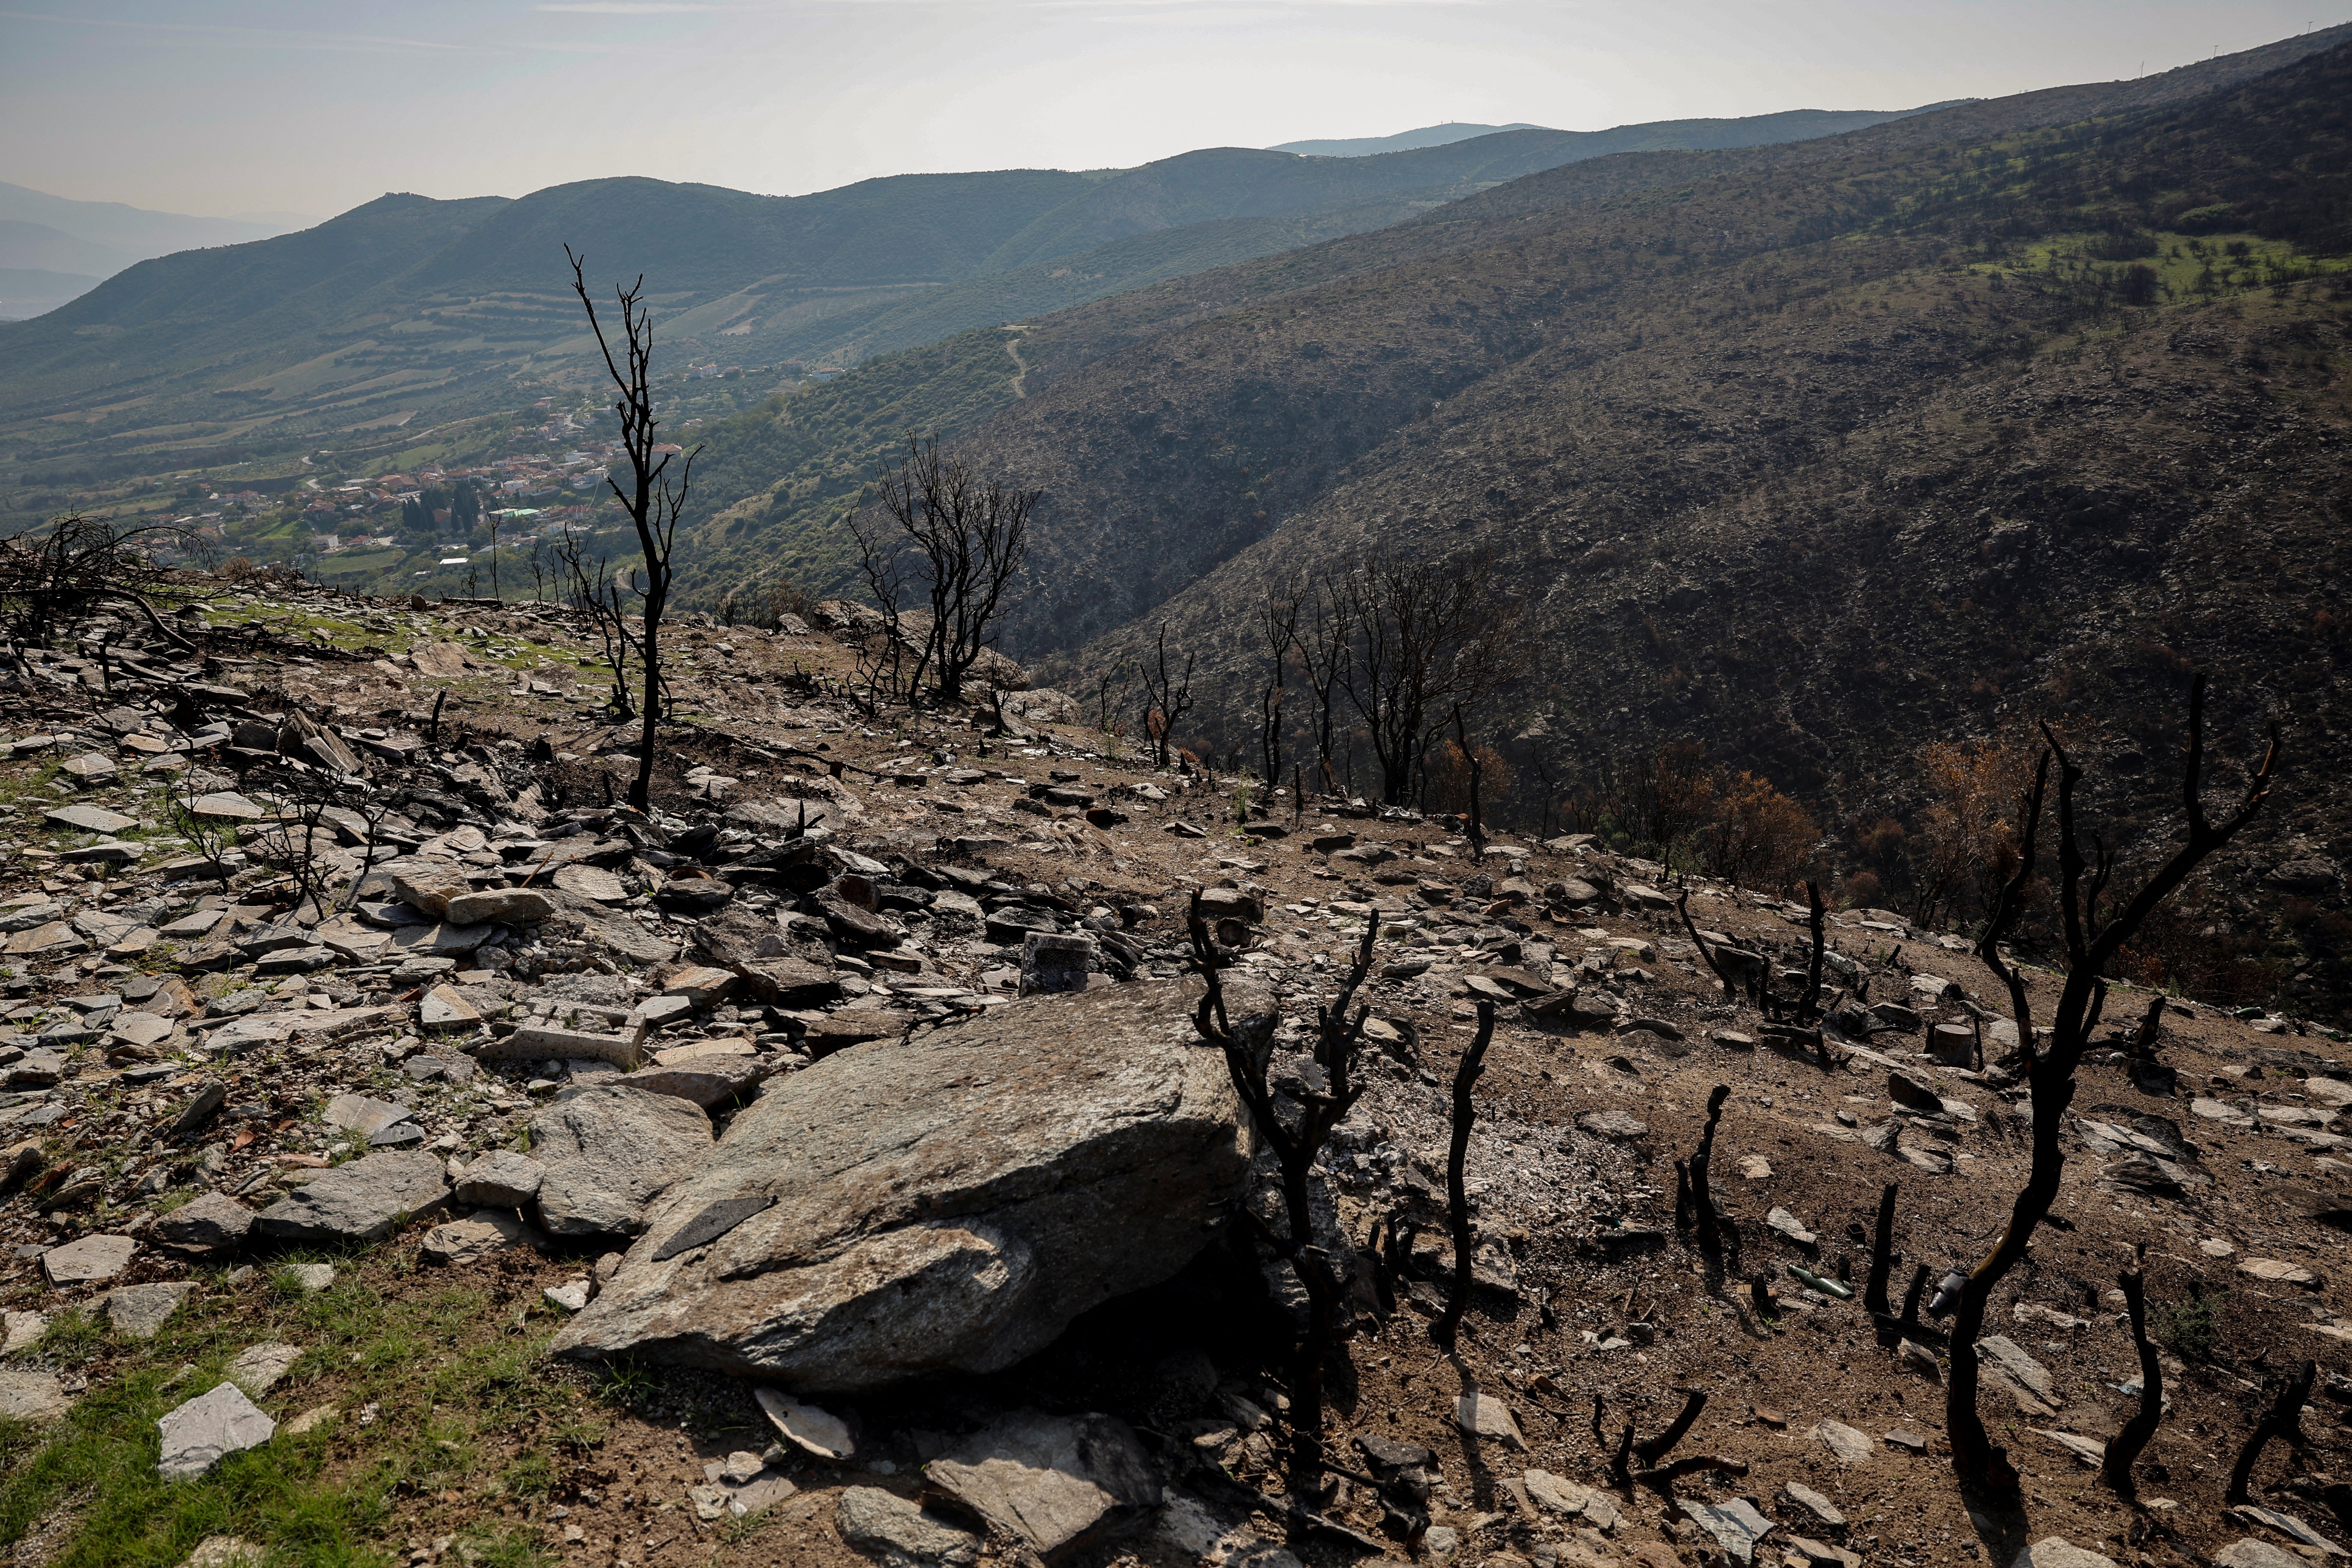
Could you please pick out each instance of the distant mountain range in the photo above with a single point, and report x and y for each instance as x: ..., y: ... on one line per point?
x: 77, y: 243
x: 407, y: 304
x: 1403, y: 142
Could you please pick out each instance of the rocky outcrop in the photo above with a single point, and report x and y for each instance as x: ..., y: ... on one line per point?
x: 945, y: 1204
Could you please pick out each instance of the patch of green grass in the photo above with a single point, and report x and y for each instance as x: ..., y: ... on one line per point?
x: 430, y: 1381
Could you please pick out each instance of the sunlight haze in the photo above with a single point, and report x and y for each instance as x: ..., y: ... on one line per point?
x: 262, y: 109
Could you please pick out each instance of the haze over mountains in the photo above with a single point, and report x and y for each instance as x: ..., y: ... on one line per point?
x: 411, y: 300
x: 1403, y: 142
x: 53, y: 249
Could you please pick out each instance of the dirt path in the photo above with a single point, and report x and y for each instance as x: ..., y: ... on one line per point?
x: 1012, y: 347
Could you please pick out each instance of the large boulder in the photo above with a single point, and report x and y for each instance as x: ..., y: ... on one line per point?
x: 947, y: 1203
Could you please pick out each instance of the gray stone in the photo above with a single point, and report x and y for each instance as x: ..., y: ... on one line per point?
x: 2056, y: 1552
x: 226, y: 807
x: 257, y: 1368
x: 1915, y: 1092
x: 1796, y: 1494
x: 87, y: 1261
x: 1053, y: 963
x: 607, y: 1152
x: 821, y: 1432
x: 364, y: 1114
x: 947, y: 1205
x: 226, y: 1552
x: 1736, y: 1527
x: 2252, y: 1553
x: 208, y: 1429
x: 445, y: 1007
x: 2004, y: 1357
x: 706, y: 1080
x: 366, y: 1200
x: 88, y: 819
x: 1559, y: 1495
x: 1481, y: 1415
x: 571, y: 1297
x: 140, y: 1311
x: 886, y: 1526
x: 1789, y: 1225
x: 2291, y: 1527
x: 32, y: 1395
x: 1847, y: 1444
x: 501, y: 1179
x: 1612, y: 1124
x: 478, y: 1235
x: 503, y: 906
x: 208, y: 1221
x: 428, y: 886
x: 1055, y: 1482
x: 439, y: 940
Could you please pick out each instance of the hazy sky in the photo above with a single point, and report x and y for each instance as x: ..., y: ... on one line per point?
x: 237, y: 106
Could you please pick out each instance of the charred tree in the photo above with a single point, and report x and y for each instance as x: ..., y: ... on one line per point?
x: 2114, y: 1471
x: 965, y: 538
x: 2282, y: 1419
x: 1457, y: 1196
x: 2091, y: 945
x: 651, y: 500
x: 1296, y: 1143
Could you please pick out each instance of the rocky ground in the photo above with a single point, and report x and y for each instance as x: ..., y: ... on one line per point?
x: 383, y: 1106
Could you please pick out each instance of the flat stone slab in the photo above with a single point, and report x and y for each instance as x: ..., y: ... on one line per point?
x: 226, y: 807
x: 211, y: 1221
x: 2252, y: 1553
x: 208, y: 1429
x: 257, y: 1368
x: 32, y: 1395
x: 444, y: 1007
x: 591, y: 882
x: 2272, y: 1271
x: 88, y: 819
x: 2008, y: 1360
x: 364, y: 1114
x: 1799, y: 1495
x: 1481, y: 1415
x: 820, y: 1431
x: 1615, y: 1125
x: 366, y: 1200
x: 501, y: 1179
x: 140, y: 1311
x: 92, y: 1259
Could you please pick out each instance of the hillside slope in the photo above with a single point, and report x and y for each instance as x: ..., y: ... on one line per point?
x: 1814, y: 456
x: 408, y: 310
x: 793, y: 523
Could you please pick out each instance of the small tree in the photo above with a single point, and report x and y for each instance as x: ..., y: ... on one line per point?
x: 2092, y: 945
x: 965, y: 537
x: 652, y: 501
